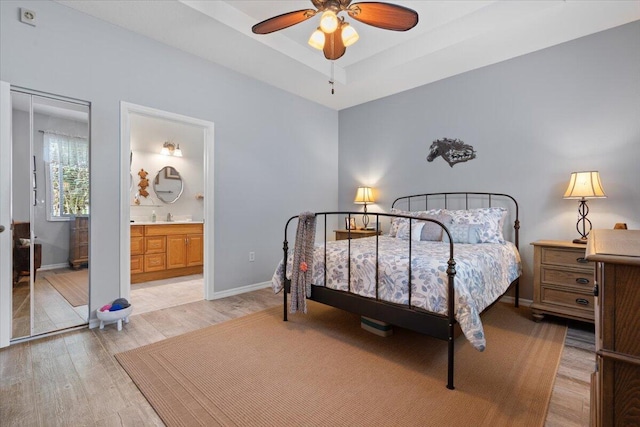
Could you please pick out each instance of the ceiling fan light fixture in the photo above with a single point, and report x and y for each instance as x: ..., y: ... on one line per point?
x: 349, y: 35
x: 329, y: 21
x: 317, y: 39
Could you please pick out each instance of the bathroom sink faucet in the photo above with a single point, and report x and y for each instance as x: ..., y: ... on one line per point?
x: 169, y: 217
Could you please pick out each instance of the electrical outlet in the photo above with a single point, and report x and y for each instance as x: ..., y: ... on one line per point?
x: 27, y: 16
x: 252, y: 256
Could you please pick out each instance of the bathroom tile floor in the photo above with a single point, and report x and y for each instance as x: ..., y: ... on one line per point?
x: 165, y: 293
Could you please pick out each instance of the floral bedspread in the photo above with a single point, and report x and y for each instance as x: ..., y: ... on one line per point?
x: 483, y: 273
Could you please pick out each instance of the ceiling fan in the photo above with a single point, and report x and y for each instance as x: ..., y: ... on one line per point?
x: 334, y: 35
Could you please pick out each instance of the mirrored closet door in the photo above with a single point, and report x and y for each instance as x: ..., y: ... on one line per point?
x: 49, y: 213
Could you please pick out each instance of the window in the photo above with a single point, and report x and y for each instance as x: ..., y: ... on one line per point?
x: 67, y: 170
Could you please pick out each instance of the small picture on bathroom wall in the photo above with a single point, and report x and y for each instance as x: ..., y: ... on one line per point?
x: 349, y: 223
x: 171, y: 173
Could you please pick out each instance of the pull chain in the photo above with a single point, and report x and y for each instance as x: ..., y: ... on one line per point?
x: 331, y: 80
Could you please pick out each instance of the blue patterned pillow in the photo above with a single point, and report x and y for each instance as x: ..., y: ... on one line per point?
x: 490, y: 220
x: 463, y: 233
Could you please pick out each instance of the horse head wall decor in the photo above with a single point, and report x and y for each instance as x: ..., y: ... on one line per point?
x: 452, y: 151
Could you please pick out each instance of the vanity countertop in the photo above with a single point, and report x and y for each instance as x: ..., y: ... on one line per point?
x: 165, y: 222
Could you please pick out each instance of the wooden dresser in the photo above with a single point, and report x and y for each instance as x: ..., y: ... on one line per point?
x: 166, y: 250
x: 78, y: 241
x: 562, y: 281
x: 615, y: 386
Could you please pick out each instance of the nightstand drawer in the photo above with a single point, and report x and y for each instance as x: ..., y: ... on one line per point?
x: 568, y: 257
x: 567, y: 299
x: 354, y: 234
x: 562, y: 281
x: 580, y: 279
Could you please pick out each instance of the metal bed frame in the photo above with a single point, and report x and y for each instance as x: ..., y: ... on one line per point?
x: 403, y: 315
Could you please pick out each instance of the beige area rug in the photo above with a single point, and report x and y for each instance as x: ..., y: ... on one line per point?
x: 73, y: 286
x: 322, y: 369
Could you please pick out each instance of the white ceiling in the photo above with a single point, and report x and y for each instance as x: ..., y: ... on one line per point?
x: 451, y: 37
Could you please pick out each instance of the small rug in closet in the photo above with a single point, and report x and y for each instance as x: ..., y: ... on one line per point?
x: 73, y: 286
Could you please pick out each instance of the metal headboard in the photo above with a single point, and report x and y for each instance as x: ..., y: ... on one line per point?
x: 446, y: 197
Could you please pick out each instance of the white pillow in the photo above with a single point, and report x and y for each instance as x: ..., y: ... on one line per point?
x: 395, y: 222
x: 416, y: 230
x: 491, y: 221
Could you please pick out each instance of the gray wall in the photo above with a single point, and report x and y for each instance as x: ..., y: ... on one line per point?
x: 268, y: 143
x: 532, y: 120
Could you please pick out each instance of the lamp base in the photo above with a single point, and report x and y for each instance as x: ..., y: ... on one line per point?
x: 580, y: 241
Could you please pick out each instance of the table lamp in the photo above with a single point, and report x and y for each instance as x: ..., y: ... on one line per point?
x: 583, y: 186
x: 364, y: 195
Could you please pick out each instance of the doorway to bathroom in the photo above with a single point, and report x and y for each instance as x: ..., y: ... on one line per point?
x: 167, y: 225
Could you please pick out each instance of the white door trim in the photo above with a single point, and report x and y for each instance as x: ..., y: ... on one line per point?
x: 6, y: 278
x: 126, y: 109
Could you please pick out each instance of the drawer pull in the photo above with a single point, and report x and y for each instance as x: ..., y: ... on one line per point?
x: 582, y: 301
x: 582, y: 281
x: 582, y: 260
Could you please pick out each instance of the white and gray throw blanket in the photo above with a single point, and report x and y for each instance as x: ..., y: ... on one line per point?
x: 303, y: 262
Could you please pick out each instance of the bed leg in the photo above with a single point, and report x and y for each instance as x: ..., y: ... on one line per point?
x: 284, y: 306
x: 517, y: 292
x: 450, y: 365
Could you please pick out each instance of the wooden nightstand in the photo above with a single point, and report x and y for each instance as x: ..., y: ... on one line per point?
x: 355, y: 234
x: 562, y: 281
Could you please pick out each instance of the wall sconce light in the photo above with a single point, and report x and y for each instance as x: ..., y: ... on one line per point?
x: 364, y: 195
x: 170, y: 149
x: 583, y: 186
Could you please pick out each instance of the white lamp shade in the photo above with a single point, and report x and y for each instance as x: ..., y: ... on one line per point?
x: 317, y: 39
x: 364, y: 195
x: 329, y: 22
x: 585, y: 185
x: 177, y: 152
x: 349, y: 35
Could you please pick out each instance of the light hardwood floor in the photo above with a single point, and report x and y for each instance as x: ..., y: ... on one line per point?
x: 52, y: 311
x: 73, y: 379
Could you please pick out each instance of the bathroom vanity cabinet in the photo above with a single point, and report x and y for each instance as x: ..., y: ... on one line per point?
x: 166, y: 250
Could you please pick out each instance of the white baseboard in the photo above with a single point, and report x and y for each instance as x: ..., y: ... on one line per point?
x: 512, y: 300
x: 256, y: 286
x: 240, y: 290
x: 53, y: 266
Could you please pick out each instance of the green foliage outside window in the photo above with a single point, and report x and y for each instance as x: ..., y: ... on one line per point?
x: 69, y: 175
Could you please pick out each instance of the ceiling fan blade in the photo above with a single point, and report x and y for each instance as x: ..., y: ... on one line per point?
x: 384, y: 15
x: 282, y: 21
x: 333, y: 46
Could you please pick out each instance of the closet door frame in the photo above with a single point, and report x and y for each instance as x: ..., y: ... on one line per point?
x: 6, y: 207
